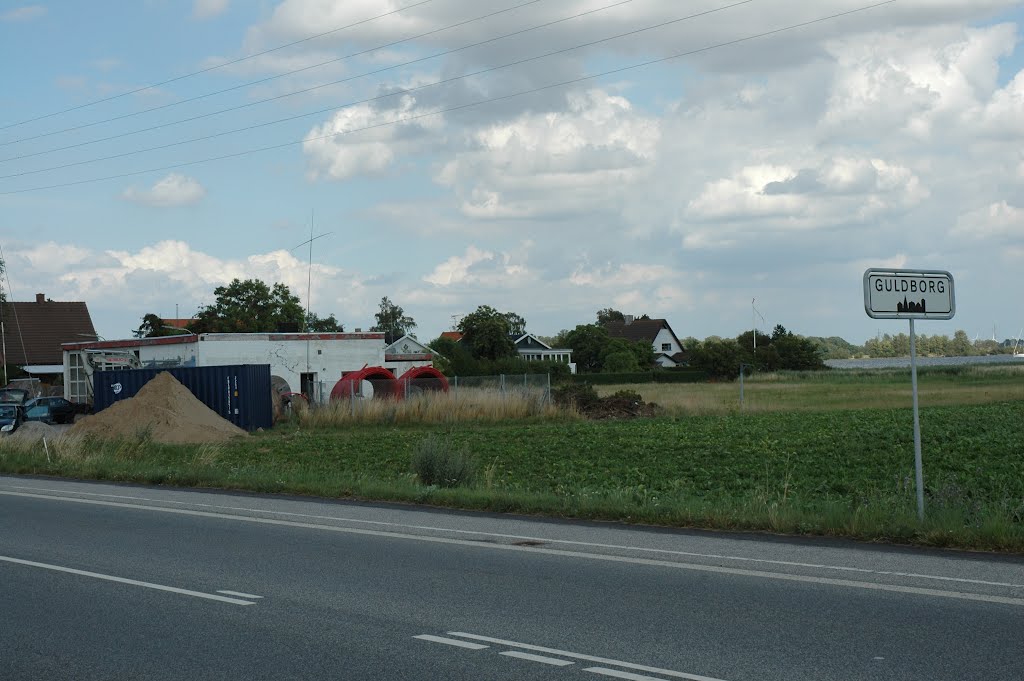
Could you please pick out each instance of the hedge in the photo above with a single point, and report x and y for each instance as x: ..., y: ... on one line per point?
x: 686, y: 375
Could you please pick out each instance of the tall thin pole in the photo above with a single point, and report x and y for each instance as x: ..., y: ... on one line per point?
x: 918, y: 467
x: 309, y: 273
x: 309, y: 287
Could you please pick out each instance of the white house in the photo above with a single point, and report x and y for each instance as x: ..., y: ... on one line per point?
x: 668, y: 351
x: 407, y: 353
x: 533, y: 349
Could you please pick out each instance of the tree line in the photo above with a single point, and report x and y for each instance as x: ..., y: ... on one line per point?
x: 251, y: 306
x: 487, y: 345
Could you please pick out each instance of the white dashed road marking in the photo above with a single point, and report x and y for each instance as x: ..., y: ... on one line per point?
x: 563, y: 653
x: 621, y: 675
x: 125, y: 580
x: 450, y: 642
x: 237, y: 593
x: 538, y: 658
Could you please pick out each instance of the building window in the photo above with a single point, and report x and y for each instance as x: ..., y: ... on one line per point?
x: 665, y: 347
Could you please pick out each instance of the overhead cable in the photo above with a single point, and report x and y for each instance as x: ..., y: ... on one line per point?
x: 393, y: 93
x: 489, y: 100
x: 254, y: 82
x: 212, y: 68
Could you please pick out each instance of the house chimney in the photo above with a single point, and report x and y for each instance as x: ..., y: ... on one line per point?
x: 628, y: 319
x: 40, y: 297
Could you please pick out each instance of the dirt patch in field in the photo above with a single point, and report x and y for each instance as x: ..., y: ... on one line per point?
x: 164, y: 411
x: 622, y: 405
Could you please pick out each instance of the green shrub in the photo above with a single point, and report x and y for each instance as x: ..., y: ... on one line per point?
x: 436, y: 461
x: 582, y: 396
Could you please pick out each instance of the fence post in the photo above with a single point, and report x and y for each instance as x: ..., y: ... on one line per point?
x: 547, y: 395
x: 502, y: 385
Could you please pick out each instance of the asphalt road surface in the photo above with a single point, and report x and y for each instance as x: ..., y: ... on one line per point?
x: 127, y: 582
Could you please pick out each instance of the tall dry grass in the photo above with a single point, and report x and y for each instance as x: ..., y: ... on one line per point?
x: 466, y: 405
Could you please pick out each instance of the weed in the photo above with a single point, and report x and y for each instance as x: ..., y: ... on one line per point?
x: 437, y: 461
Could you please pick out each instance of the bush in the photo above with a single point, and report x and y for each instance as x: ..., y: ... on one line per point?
x: 580, y: 396
x: 436, y: 461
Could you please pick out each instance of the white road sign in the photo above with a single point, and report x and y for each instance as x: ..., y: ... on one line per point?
x: 909, y: 294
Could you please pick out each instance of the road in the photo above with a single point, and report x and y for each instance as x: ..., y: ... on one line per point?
x: 107, y: 582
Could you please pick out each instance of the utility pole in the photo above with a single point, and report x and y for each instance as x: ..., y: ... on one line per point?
x: 309, y: 280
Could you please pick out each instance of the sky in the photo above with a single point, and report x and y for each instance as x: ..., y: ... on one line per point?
x: 549, y: 158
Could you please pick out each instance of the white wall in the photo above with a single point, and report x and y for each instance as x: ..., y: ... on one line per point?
x: 665, y: 336
x: 290, y: 358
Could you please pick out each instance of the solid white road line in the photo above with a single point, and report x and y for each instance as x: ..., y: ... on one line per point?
x: 546, y: 540
x: 125, y: 580
x: 621, y: 675
x: 450, y: 642
x: 588, y: 658
x: 237, y: 593
x: 696, y: 567
x: 537, y: 658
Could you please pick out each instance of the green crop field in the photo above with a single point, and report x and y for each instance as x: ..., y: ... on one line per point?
x: 814, y: 454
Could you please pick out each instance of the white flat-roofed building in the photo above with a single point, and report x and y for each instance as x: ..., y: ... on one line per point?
x: 303, y: 360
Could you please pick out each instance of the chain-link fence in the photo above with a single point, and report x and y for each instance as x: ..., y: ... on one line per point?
x: 431, y: 399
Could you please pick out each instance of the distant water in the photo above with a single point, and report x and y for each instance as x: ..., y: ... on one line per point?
x: 889, y: 362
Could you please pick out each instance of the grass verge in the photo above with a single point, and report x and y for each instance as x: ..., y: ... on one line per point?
x: 841, y: 473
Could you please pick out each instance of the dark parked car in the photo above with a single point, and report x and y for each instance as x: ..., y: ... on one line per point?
x: 50, y: 410
x: 11, y: 416
x: 13, y: 395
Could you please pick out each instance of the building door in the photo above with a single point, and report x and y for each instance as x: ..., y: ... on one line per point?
x: 308, y: 386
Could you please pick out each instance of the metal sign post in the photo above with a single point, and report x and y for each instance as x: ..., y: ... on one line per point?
x: 910, y: 294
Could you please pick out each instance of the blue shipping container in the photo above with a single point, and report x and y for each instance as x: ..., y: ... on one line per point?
x: 238, y: 392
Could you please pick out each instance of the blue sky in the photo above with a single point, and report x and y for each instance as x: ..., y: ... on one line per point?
x: 643, y: 190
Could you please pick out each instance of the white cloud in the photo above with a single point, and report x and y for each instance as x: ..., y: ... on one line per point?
x: 52, y: 257
x: 916, y: 80
x: 173, y: 190
x: 998, y: 220
x: 351, y: 145
x: 207, y: 9
x: 456, y: 269
x: 781, y: 198
x: 554, y: 162
x: 24, y: 13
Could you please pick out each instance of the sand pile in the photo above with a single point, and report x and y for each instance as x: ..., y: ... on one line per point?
x: 163, y: 409
x: 34, y: 430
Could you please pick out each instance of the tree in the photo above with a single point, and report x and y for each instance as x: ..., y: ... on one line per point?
x: 452, y: 358
x: 516, y: 324
x: 609, y: 315
x: 719, y: 358
x: 251, y: 306
x: 485, y: 332
x: 329, y: 324
x: 392, y: 321
x: 153, y: 325
x: 620, y: 362
x: 588, y: 343
x: 961, y: 345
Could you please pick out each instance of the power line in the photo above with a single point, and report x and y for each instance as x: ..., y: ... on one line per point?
x: 259, y: 82
x: 459, y: 107
x: 394, y: 93
x: 213, y: 68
